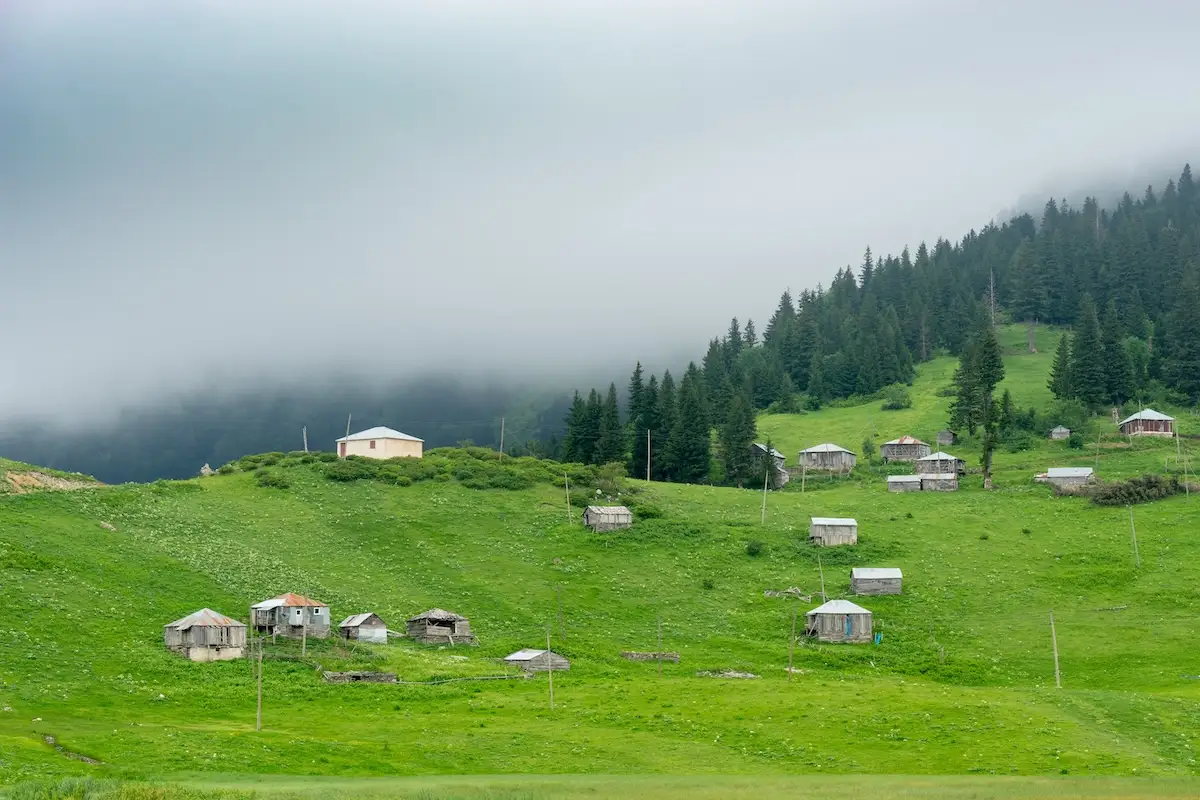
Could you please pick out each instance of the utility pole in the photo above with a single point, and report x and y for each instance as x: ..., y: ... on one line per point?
x: 766, y: 477
x: 567, y: 486
x: 822, y: 569
x: 992, y: 294
x: 792, y: 641
x: 550, y: 670
x: 660, y: 650
x: 1054, y: 641
x: 647, y: 455
x: 502, y: 438
x: 258, y: 716
x: 304, y: 433
x: 1137, y: 559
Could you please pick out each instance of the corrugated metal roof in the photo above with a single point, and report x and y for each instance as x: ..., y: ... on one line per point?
x: 1148, y: 413
x: 939, y: 456
x: 834, y: 521
x: 774, y: 452
x: 205, y: 618
x: 1069, y: 472
x: 906, y: 439
x: 379, y: 433
x: 354, y: 620
x: 608, y: 510
x: 903, y: 478
x: 839, y: 607
x: 524, y: 655
x: 875, y: 572
x: 1060, y: 428
x: 828, y: 447
x: 939, y: 476
x: 439, y: 614
x: 291, y: 599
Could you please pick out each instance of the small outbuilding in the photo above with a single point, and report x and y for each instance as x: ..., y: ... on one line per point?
x: 947, y: 437
x: 1066, y: 477
x: 906, y: 448
x: 939, y: 482
x: 1060, y: 432
x: 291, y: 615
x: 380, y: 443
x: 206, y: 636
x: 538, y: 661
x: 438, y: 626
x: 828, y: 457
x: 779, y: 474
x: 904, y: 483
x: 607, y: 518
x: 940, y: 463
x: 1148, y: 422
x: 830, y: 531
x: 875, y: 580
x: 365, y: 627
x: 839, y: 621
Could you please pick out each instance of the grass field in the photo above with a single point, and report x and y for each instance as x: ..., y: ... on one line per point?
x: 962, y: 683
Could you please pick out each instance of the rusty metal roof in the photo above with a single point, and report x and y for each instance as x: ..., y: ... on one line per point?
x: 290, y: 600
x: 906, y: 439
x: 354, y: 620
x: 438, y: 614
x: 205, y: 618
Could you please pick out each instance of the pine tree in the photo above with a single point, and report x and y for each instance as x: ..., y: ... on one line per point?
x: 1060, y: 374
x: 733, y: 341
x: 590, y: 431
x: 1182, y: 370
x: 689, y: 450
x: 1087, y: 351
x: 610, y: 441
x: 572, y: 445
x: 780, y: 322
x: 660, y: 446
x: 737, y: 437
x: 1030, y: 299
x: 966, y: 406
x: 1118, y: 369
x: 990, y: 364
x: 816, y: 383
x: 649, y: 423
x: 637, y: 423
x: 749, y: 336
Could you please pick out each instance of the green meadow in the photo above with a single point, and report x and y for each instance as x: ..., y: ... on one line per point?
x: 959, y: 696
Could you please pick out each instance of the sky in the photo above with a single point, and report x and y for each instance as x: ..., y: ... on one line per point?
x: 208, y: 193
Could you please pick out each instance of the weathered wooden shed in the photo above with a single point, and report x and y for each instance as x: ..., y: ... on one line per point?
x: 538, y: 661
x: 1060, y: 432
x: 946, y: 437
x: 828, y: 457
x: 1148, y: 422
x: 206, y: 636
x: 607, y: 518
x: 906, y: 448
x: 365, y: 627
x: 940, y: 463
x: 875, y: 580
x: 1066, y: 477
x: 291, y: 615
x: 779, y: 474
x: 830, y: 531
x: 939, y: 482
x: 839, y: 621
x: 438, y: 626
x: 904, y: 483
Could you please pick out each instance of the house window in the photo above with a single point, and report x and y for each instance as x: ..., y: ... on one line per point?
x: 316, y: 612
x: 372, y: 444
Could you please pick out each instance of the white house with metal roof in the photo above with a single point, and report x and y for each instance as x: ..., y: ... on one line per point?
x: 380, y: 442
x: 830, y: 531
x: 1147, y: 422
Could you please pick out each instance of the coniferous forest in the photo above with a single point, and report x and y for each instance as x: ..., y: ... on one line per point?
x: 1126, y: 280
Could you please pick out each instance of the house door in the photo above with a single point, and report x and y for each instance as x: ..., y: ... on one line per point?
x: 342, y: 449
x: 846, y: 621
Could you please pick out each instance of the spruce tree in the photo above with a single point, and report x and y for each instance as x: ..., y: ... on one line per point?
x: 816, y: 383
x: 689, y: 450
x: 1030, y: 299
x: 1118, y: 369
x: 572, y: 444
x: 1060, y: 374
x: 737, y: 437
x: 649, y: 423
x: 660, y: 445
x: 1087, y: 353
x: 1182, y: 366
x: 749, y: 336
x: 780, y: 322
x: 590, y: 430
x: 637, y: 423
x: 968, y: 397
x: 610, y: 441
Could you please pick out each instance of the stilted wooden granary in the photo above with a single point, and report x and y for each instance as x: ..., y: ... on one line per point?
x: 206, y: 636
x: 292, y: 615
x: 828, y: 457
x: 607, y: 518
x: 875, y: 580
x: 906, y: 448
x: 438, y: 626
x: 940, y: 463
x: 829, y: 531
x: 939, y: 482
x: 1148, y: 422
x: 839, y: 621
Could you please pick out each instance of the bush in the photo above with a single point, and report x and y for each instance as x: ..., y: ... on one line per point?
x: 896, y: 398
x: 1136, y: 490
x: 707, y: 584
x: 227, y: 469
x: 1075, y: 441
x: 868, y: 448
x: 754, y: 548
x: 272, y: 479
x: 788, y: 405
x: 644, y: 510
x: 350, y: 469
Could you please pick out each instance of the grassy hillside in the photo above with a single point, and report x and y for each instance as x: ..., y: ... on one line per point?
x: 961, y: 684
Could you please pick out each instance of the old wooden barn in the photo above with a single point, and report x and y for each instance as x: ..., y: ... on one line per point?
x: 906, y: 448
x: 828, y: 457
x: 875, y: 580
x: 904, y: 483
x: 830, y: 531
x: 779, y: 475
x: 839, y: 621
x: 291, y: 615
x: 939, y: 482
x: 206, y: 636
x: 1067, y: 477
x: 365, y: 627
x: 940, y: 463
x: 607, y: 518
x: 438, y: 626
x: 1148, y: 422
x: 538, y: 661
x: 1060, y: 432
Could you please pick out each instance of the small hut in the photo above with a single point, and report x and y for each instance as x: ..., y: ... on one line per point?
x: 365, y: 627
x: 437, y: 626
x: 939, y: 482
x: 906, y: 448
x: 1148, y: 422
x: 206, y: 636
x: 779, y: 474
x: 1059, y: 432
x: 538, y: 661
x: 828, y: 457
x: 904, y: 483
x: 607, y: 518
x: 1066, y: 477
x: 830, y: 531
x: 875, y: 580
x: 946, y: 437
x: 839, y: 621
x: 940, y: 463
x: 291, y: 615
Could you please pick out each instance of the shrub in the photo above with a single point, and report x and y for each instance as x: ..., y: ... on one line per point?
x: 787, y: 405
x: 350, y: 469
x: 983, y: 536
x: 227, y: 469
x: 1135, y: 490
x: 707, y: 584
x: 754, y: 548
x: 644, y: 510
x: 896, y: 398
x: 1026, y: 531
x: 272, y: 479
x: 868, y: 448
x: 326, y: 456
x: 1075, y: 441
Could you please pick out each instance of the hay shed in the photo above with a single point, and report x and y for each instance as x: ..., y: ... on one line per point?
x: 607, y: 518
x: 1066, y: 477
x: 538, y: 661
x: 438, y: 626
x: 365, y: 627
x: 906, y: 448
x: 1148, y: 422
x: 206, y: 635
x: 829, y: 531
x: 939, y: 482
x: 1059, y: 432
x: 292, y: 615
x: 839, y: 621
x: 828, y: 457
x: 875, y: 580
x: 946, y: 437
x: 940, y: 463
x: 904, y: 483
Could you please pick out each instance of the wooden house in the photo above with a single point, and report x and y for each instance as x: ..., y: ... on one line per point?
x: 875, y: 580
x: 906, y: 448
x: 904, y: 483
x: 830, y: 531
x: 940, y: 463
x: 779, y: 474
x: 206, y: 636
x: 828, y: 457
x: 939, y: 482
x: 291, y: 615
x: 1059, y: 432
x: 1067, y: 477
x: 538, y: 661
x: 437, y: 626
x: 839, y: 621
x: 946, y: 437
x: 607, y: 518
x: 1148, y: 422
x: 365, y: 627
x: 380, y: 443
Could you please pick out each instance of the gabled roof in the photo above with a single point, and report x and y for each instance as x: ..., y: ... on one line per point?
x: 1069, y: 472
x: 607, y: 510
x: 205, y: 618
x: 355, y: 620
x: 1148, y: 413
x: 939, y: 476
x: 379, y: 433
x: 291, y: 600
x: 839, y: 607
x: 439, y: 614
x: 527, y: 655
x: 875, y: 572
x: 828, y: 447
x: 774, y: 452
x: 834, y: 521
x: 906, y: 439
x: 1060, y: 428
x: 939, y: 456
x: 903, y: 478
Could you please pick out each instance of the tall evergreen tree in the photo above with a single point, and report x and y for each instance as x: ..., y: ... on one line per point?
x: 637, y: 423
x: 1060, y: 382
x: 749, y: 335
x: 816, y: 383
x: 610, y: 441
x: 689, y: 450
x: 1030, y: 298
x: 649, y: 423
x: 660, y: 446
x: 1087, y: 356
x: 780, y: 322
x: 573, y: 449
x: 1183, y: 333
x: 590, y: 431
x: 1118, y: 369
x: 737, y: 436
